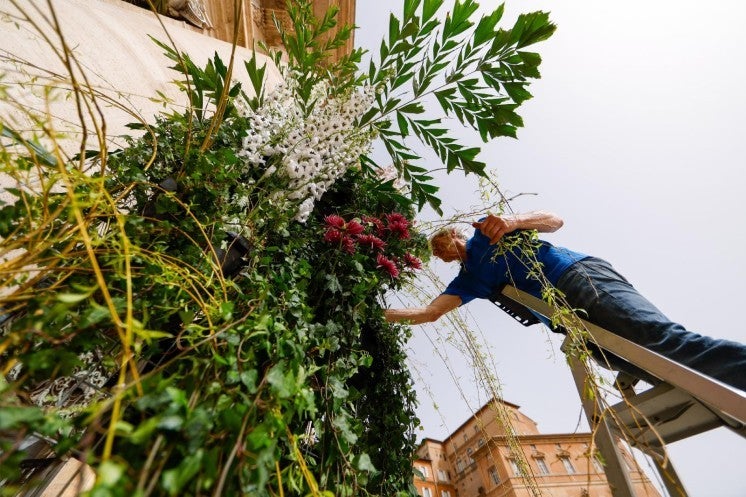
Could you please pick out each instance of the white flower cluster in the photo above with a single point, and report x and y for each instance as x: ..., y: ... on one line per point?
x: 309, y: 151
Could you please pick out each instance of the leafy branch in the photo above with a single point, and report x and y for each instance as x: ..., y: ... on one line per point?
x: 476, y: 73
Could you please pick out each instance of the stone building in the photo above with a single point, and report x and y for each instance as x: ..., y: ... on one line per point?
x: 480, y: 459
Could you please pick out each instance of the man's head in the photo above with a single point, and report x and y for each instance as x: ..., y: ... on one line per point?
x: 449, y: 245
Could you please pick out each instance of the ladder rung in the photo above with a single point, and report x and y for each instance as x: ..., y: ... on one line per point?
x: 664, y: 414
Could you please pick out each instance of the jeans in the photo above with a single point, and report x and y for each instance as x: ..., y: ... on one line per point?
x: 611, y: 302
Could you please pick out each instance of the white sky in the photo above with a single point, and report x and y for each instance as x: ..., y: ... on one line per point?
x: 635, y: 136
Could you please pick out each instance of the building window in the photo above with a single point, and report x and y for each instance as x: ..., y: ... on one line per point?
x: 466, y: 437
x: 567, y: 463
x: 425, y: 471
x: 493, y: 475
x: 597, y: 464
x: 426, y: 492
x: 442, y: 476
x: 469, y: 452
x: 445, y: 493
x: 542, y: 465
x: 460, y: 465
x: 514, y: 467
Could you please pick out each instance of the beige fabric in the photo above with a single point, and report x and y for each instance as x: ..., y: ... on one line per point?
x: 110, y: 41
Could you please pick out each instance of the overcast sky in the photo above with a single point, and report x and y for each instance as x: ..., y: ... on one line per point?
x: 635, y: 137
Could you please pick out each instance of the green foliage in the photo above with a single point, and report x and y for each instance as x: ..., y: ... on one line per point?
x: 280, y: 376
x: 477, y: 73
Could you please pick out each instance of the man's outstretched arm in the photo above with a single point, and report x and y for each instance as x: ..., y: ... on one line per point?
x: 418, y: 315
x: 495, y: 227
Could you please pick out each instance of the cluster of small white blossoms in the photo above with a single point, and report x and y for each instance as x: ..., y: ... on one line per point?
x: 309, y: 152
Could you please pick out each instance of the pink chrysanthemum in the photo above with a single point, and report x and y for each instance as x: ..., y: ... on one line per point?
x: 370, y: 241
x: 348, y: 245
x: 387, y: 265
x: 332, y: 235
x: 412, y: 261
x: 354, y: 228
x: 335, y: 221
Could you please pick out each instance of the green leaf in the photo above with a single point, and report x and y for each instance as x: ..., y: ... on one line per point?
x: 532, y: 28
x: 143, y: 432
x: 14, y: 417
x: 485, y: 30
x: 410, y: 8
x: 430, y: 8
x: 109, y: 473
x: 72, y: 298
x: 393, y: 29
x: 403, y: 126
x: 413, y: 108
x: 517, y: 91
x: 364, y: 463
x: 173, y: 480
x: 282, y: 380
x: 332, y: 284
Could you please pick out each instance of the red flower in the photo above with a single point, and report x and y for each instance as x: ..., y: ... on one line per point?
x: 400, y: 229
x: 348, y: 245
x: 354, y: 228
x: 395, y: 217
x: 387, y: 265
x: 380, y: 228
x: 371, y: 241
x: 398, y: 224
x: 335, y: 221
x: 332, y: 235
x: 412, y: 261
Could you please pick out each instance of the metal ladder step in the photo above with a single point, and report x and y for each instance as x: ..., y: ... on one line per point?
x: 665, y: 414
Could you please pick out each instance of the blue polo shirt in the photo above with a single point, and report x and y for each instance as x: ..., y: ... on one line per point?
x: 485, y: 270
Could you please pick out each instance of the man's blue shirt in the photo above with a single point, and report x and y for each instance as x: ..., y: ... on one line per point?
x: 484, y: 270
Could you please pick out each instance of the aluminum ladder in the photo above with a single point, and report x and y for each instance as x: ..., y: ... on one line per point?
x: 685, y: 403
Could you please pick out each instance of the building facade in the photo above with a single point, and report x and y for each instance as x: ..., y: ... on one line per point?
x: 246, y: 21
x: 482, y: 458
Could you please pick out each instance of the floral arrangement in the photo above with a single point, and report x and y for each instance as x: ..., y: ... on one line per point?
x: 280, y: 377
x: 372, y: 236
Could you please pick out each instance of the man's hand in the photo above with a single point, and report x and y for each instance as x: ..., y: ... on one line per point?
x: 495, y: 227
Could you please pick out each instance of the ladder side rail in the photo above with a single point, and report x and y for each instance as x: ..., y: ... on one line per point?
x: 617, y: 474
x: 714, y: 393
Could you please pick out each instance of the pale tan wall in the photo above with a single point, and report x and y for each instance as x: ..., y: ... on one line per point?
x: 110, y: 39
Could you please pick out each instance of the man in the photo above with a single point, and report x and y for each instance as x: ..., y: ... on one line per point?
x: 588, y: 283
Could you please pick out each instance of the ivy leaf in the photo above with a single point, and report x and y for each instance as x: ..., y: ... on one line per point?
x: 282, y: 380
x: 365, y: 464
x: 173, y: 480
x: 332, y: 284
